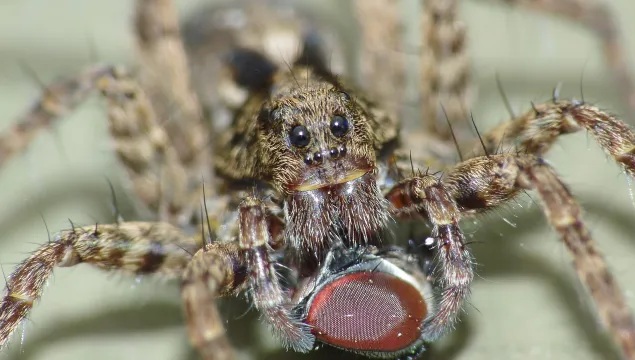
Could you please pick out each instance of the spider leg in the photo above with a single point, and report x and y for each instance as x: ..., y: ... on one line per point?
x: 484, y: 183
x: 223, y: 268
x: 597, y: 17
x: 535, y: 131
x: 166, y: 80
x: 164, y: 183
x: 159, y: 177
x: 454, y: 269
x: 381, y: 69
x: 215, y: 270
x: 135, y: 248
x: 444, y: 78
x: 444, y: 86
x: 264, y: 284
x: 58, y: 99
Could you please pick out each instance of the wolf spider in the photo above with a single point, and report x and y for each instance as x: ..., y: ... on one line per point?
x: 305, y: 182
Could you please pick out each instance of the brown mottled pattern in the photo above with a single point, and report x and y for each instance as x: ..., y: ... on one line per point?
x: 482, y: 183
x: 173, y: 188
x: 135, y: 248
x: 454, y: 263
x: 160, y: 137
x: 536, y: 131
x: 210, y: 274
x: 381, y: 49
x: 564, y: 214
x: 267, y: 293
x: 166, y: 78
x: 60, y: 97
x: 445, y: 67
x: 145, y: 148
x: 26, y: 283
x: 495, y: 179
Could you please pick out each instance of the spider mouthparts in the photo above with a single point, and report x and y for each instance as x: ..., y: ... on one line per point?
x: 346, y: 177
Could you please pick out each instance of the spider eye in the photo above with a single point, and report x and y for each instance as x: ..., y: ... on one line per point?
x: 299, y: 136
x: 339, y: 126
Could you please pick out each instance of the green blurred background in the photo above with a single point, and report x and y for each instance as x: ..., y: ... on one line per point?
x: 527, y: 303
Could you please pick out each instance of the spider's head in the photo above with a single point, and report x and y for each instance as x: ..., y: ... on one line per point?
x: 316, y: 136
x: 320, y: 149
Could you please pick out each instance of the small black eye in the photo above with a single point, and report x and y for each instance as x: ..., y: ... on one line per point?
x: 299, y: 136
x: 339, y: 126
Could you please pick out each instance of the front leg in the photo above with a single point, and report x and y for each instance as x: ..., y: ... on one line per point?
x: 535, y: 131
x: 223, y: 268
x: 135, y: 248
x: 264, y: 284
x: 487, y: 182
x: 426, y: 195
x: 216, y: 270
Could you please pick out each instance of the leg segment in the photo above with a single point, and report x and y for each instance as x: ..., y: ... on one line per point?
x: 486, y: 182
x: 214, y: 271
x: 267, y: 294
x: 454, y: 264
x: 382, y: 68
x: 535, y: 131
x: 136, y: 248
x: 444, y: 66
x: 445, y: 74
x: 596, y: 16
x: 224, y: 268
x: 166, y: 80
x: 58, y: 99
x: 159, y: 177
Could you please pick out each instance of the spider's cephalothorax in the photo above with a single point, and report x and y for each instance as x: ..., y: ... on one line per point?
x: 308, y: 173
x: 315, y: 144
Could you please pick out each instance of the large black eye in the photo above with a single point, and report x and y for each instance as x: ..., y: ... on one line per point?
x: 339, y: 126
x: 299, y: 136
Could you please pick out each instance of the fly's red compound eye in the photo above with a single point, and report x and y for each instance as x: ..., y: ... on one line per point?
x: 368, y: 312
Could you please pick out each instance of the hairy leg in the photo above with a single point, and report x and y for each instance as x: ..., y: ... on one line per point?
x: 445, y: 92
x: 135, y: 248
x: 382, y: 62
x: 214, y: 271
x: 58, y: 99
x: 225, y: 268
x: 156, y: 173
x: 165, y: 77
x: 487, y: 182
x: 267, y: 293
x: 454, y: 266
x: 144, y: 146
x: 598, y: 18
x: 535, y: 131
x: 444, y: 77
